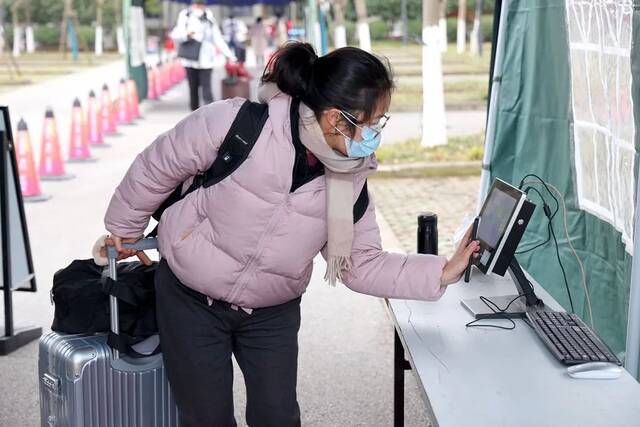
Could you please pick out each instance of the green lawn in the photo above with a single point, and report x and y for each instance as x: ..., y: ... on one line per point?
x: 406, y: 59
x: 458, y: 95
x: 461, y: 148
x: 466, y: 76
x: 40, y: 66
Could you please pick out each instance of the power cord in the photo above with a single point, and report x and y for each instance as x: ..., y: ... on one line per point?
x: 573, y: 249
x: 497, y: 310
x: 550, y: 215
x: 548, y: 226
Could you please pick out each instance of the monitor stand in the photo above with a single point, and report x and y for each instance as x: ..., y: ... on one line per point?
x: 528, y: 302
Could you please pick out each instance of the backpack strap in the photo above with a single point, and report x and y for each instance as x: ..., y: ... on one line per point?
x: 361, y: 205
x: 134, y: 295
x: 242, y: 136
x: 234, y: 150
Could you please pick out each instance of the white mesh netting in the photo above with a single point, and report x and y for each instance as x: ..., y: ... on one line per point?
x: 600, y: 45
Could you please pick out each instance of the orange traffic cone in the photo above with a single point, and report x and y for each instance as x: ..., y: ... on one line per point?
x: 124, y: 113
x: 94, y: 122
x: 160, y: 89
x: 159, y: 85
x: 107, y: 113
x: 78, y: 144
x: 151, y: 79
x: 133, y: 101
x: 29, y: 183
x: 51, y: 166
x: 175, y: 77
x: 167, y: 67
x: 166, y: 83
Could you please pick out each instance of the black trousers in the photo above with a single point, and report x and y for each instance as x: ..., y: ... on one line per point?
x: 198, y: 77
x: 198, y: 341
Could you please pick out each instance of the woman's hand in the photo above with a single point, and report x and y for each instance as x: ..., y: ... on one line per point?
x: 458, y: 263
x: 125, y: 253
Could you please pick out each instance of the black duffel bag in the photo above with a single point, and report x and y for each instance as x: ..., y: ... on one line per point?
x: 81, y: 296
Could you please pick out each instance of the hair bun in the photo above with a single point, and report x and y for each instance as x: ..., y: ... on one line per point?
x: 291, y: 68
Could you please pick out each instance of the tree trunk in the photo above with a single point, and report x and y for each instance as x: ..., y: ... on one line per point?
x: 29, y: 38
x: 434, y: 131
x: 476, y: 33
x: 119, y: 30
x: 98, y: 41
x: 339, y: 31
x: 462, y: 25
x: 63, y: 27
x: 405, y: 24
x: 443, y: 25
x: 17, y: 29
x: 364, y: 36
x: 2, y: 36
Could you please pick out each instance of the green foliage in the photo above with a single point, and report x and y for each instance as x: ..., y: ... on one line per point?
x: 44, y: 12
x: 47, y: 36
x: 486, y: 23
x: 153, y: 7
x: 389, y: 10
x: 88, y: 35
x: 379, y: 30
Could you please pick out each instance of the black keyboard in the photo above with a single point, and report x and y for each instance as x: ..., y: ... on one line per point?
x: 569, y: 339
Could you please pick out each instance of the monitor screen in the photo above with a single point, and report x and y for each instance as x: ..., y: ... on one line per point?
x: 498, y: 210
x: 495, y: 216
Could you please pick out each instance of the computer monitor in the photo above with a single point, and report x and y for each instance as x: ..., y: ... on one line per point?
x: 504, y: 217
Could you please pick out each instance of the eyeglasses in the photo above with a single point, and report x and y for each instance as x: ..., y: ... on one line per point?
x: 376, y: 127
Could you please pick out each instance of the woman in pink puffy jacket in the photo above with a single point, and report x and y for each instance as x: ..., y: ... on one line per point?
x: 237, y: 256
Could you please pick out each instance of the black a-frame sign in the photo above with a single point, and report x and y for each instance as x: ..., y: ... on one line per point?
x: 15, y: 251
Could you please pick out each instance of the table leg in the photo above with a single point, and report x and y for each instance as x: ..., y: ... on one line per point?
x: 399, y: 366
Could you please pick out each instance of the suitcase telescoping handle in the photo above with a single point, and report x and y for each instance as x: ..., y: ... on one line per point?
x: 112, y: 255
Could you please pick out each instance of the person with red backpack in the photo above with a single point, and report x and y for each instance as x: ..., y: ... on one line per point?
x: 237, y: 256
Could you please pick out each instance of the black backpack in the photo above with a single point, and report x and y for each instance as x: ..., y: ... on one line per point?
x: 233, y: 151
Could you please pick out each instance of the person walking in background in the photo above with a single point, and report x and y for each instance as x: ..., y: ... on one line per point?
x: 258, y: 42
x: 235, y: 34
x: 200, y: 41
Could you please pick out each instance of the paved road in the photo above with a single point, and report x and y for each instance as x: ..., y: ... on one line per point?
x: 346, y: 346
x: 403, y: 126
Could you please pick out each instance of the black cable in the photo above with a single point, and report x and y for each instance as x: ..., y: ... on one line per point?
x: 526, y: 190
x: 496, y: 310
x: 564, y: 274
x: 548, y: 239
x: 553, y: 234
x: 545, y: 186
x: 555, y: 211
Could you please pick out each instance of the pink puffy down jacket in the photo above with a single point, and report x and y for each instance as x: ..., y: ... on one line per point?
x: 248, y: 240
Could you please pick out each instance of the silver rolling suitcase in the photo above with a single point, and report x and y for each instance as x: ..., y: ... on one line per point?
x: 85, y: 383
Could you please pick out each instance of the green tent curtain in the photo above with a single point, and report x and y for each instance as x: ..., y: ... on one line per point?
x: 534, y: 135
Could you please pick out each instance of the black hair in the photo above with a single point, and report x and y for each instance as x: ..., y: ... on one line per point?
x: 258, y: 19
x: 348, y: 78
